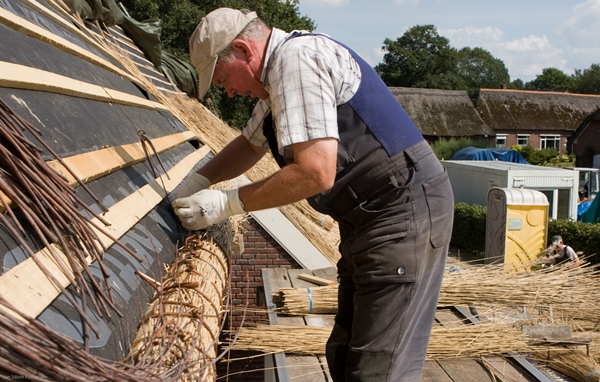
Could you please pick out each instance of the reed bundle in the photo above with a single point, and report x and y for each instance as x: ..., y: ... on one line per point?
x: 571, y: 291
x: 571, y: 363
x: 302, y: 301
x: 181, y: 327
x: 445, y: 342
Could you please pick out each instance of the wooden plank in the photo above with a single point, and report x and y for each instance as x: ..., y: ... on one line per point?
x: 433, y: 372
x: 466, y: 313
x: 95, y: 164
x: 465, y: 370
x: 506, y: 371
x: 26, y: 286
x: 316, y: 280
x: 25, y: 77
x: 446, y: 317
x: 329, y: 273
x: 314, y: 368
x: 548, y: 332
x: 28, y: 28
x: 529, y: 368
x: 273, y: 279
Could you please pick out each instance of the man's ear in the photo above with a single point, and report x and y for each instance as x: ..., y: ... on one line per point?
x: 243, y: 46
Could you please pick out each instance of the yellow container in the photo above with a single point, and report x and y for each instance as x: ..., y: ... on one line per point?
x: 516, y: 226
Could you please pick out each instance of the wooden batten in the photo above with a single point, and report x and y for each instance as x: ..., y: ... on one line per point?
x: 20, y: 24
x: 95, y: 164
x: 27, y: 287
x: 25, y: 77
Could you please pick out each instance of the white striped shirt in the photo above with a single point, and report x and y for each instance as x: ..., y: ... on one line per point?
x: 307, y: 78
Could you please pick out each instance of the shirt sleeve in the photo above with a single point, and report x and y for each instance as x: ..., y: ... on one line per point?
x: 303, y: 94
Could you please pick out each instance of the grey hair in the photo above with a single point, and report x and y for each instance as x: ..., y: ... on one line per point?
x: 255, y: 30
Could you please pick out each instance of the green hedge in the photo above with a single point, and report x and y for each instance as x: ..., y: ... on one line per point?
x: 470, y: 222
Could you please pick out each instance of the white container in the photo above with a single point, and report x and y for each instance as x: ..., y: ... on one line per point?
x: 471, y: 181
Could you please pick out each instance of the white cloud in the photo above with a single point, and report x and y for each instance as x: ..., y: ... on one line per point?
x: 582, y: 33
x: 326, y: 4
x: 407, y: 2
x: 472, y: 37
x: 524, y: 57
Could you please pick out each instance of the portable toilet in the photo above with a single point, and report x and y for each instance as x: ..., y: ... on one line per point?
x: 516, y: 226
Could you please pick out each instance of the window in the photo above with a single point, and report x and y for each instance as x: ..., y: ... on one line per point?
x: 522, y: 139
x: 500, y: 141
x: 550, y: 142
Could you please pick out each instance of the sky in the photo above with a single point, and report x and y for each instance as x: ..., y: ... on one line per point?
x: 527, y: 35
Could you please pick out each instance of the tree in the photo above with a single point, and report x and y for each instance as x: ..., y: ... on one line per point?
x: 517, y: 84
x: 588, y: 81
x: 551, y: 79
x: 478, y: 69
x: 419, y: 58
x: 179, y: 19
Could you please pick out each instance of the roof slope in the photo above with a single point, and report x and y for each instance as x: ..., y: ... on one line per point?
x: 442, y: 113
x: 534, y: 110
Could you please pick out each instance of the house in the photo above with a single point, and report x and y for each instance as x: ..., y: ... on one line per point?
x: 585, y: 142
x: 443, y: 114
x: 535, y: 118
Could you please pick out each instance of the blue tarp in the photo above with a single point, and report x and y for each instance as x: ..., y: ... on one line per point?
x: 504, y: 155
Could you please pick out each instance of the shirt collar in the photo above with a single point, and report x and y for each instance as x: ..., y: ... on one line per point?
x: 277, y: 38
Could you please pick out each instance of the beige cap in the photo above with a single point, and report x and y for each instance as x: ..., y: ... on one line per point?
x: 212, y: 36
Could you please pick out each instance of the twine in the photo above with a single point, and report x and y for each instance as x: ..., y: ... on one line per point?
x: 310, y: 301
x: 589, y: 377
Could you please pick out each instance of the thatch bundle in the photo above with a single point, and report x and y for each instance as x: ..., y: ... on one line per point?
x: 177, y: 339
x: 571, y: 363
x: 181, y: 327
x: 571, y: 291
x: 445, y: 342
x: 302, y: 301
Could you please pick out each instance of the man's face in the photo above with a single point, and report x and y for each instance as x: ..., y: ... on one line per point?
x: 238, y: 78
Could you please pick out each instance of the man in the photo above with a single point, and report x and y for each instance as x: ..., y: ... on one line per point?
x: 558, y: 252
x: 344, y: 143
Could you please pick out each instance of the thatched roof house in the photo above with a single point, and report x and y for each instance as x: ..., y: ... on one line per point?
x: 585, y: 142
x: 442, y: 113
x: 540, y: 119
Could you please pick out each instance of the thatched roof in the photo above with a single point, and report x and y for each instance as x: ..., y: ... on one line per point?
x: 534, y: 110
x: 442, y: 113
x: 595, y: 116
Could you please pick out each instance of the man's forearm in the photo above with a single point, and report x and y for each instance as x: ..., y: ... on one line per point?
x: 235, y: 159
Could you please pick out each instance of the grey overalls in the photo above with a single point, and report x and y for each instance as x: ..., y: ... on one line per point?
x: 394, y: 205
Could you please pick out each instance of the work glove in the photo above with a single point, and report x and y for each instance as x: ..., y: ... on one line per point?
x: 207, y: 207
x: 195, y: 183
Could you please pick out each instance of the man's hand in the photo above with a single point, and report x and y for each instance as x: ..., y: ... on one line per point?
x: 195, y: 183
x: 207, y: 207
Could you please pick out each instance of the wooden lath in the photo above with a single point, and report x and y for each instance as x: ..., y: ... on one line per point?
x: 26, y: 27
x: 26, y: 286
x: 25, y: 77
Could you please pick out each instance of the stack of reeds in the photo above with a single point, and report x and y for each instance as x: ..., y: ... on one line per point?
x: 574, y: 292
x: 571, y: 363
x: 181, y: 327
x: 303, y: 301
x: 445, y: 342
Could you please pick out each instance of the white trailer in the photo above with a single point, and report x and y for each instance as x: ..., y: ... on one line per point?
x: 471, y: 181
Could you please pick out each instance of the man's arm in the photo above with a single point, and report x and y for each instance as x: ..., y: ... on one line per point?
x: 312, y: 172
x: 235, y: 159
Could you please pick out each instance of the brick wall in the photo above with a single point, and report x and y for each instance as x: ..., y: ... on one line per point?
x: 260, y: 251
